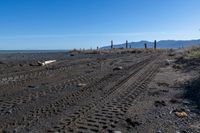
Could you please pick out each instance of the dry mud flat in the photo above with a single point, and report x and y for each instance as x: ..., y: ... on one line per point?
x: 89, y: 94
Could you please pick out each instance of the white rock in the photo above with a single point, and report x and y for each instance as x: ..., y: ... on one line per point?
x: 81, y: 85
x: 118, y: 68
x: 117, y: 132
x: 168, y: 62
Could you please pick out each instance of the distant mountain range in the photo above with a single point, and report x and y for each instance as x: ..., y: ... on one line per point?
x: 160, y: 44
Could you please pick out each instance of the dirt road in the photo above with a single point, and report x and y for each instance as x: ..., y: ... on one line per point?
x: 86, y: 95
x: 77, y: 95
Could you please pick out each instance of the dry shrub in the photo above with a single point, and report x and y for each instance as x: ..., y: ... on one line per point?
x: 115, y: 51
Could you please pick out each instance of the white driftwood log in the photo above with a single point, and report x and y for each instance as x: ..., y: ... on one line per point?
x: 46, y: 62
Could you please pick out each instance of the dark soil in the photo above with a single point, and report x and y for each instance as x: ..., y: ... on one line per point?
x: 129, y: 92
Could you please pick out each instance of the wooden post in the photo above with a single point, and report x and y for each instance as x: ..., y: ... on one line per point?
x: 126, y: 44
x: 145, y: 46
x: 111, y: 44
x: 155, y: 44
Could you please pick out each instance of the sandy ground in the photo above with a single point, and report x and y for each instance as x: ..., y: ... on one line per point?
x: 127, y: 93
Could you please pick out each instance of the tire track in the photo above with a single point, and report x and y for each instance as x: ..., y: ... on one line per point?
x: 106, y: 93
x: 105, y: 114
x: 56, y: 108
x: 30, y: 94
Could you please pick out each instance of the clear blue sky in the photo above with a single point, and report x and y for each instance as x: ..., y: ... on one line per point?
x: 67, y: 24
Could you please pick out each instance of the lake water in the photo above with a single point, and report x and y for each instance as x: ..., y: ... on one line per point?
x: 29, y: 51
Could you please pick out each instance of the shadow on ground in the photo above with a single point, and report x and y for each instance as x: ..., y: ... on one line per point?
x: 192, y: 89
x: 192, y: 92
x: 188, y: 64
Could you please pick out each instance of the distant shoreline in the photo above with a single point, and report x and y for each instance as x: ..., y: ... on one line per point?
x: 30, y: 51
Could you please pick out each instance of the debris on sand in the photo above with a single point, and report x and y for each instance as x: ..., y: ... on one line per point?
x: 159, y: 103
x: 46, y: 62
x: 181, y: 114
x: 118, y: 68
x: 81, y: 85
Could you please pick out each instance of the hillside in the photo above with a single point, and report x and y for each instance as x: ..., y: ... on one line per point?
x: 160, y: 44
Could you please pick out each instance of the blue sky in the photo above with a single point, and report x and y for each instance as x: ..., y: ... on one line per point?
x: 68, y: 24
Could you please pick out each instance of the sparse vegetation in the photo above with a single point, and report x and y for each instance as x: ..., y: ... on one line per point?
x: 114, y: 51
x: 196, y: 53
x: 193, y: 52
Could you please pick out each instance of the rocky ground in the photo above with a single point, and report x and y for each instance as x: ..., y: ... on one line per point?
x: 126, y: 92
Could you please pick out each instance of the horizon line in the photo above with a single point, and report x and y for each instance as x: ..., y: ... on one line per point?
x: 90, y: 34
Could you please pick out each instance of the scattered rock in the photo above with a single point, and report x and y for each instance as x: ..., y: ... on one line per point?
x: 21, y: 65
x: 181, y: 114
x: 89, y: 64
x: 159, y: 103
x: 183, y: 131
x: 186, y: 102
x: 163, y: 84
x: 158, y: 92
x: 177, y: 110
x: 118, y: 68
x: 81, y: 85
x: 177, y: 66
x: 174, y: 101
x: 31, y: 86
x: 132, y: 123
x: 9, y: 111
x: 168, y: 62
x: 171, y: 54
x: 158, y: 131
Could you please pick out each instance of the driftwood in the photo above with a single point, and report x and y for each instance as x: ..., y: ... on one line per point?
x: 46, y: 62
